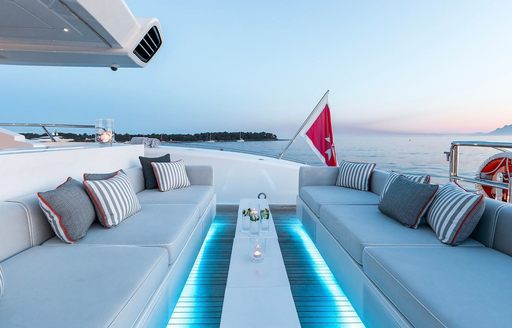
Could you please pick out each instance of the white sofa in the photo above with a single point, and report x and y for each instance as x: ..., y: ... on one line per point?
x: 401, y: 277
x: 127, y: 276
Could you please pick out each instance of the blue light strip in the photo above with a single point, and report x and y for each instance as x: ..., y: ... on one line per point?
x: 190, y: 295
x: 326, y: 277
x: 200, y: 302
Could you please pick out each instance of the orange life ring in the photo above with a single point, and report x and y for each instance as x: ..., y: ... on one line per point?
x: 496, y: 168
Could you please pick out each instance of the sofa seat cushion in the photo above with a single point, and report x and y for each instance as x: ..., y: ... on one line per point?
x: 156, y: 225
x: 359, y: 226
x: 79, y: 286
x: 317, y: 196
x: 444, y: 286
x: 195, y: 194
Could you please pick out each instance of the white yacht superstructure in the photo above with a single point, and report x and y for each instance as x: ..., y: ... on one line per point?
x: 76, y: 33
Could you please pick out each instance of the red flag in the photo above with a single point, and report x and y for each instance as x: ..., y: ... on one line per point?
x: 320, y: 138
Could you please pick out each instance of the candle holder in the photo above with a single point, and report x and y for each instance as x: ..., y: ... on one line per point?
x: 245, y: 222
x: 105, y: 131
x: 258, y: 247
x: 251, y: 218
x: 254, y: 217
x: 265, y: 219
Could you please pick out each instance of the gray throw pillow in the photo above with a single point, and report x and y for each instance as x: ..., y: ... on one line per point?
x: 100, y: 176
x: 407, y: 201
x: 68, y: 209
x: 149, y: 175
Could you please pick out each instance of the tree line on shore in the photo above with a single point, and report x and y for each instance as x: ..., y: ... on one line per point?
x: 165, y: 137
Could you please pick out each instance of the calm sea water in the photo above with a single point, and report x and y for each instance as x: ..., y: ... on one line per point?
x: 408, y: 154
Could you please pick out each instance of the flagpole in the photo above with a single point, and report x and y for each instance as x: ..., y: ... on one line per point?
x: 303, y: 125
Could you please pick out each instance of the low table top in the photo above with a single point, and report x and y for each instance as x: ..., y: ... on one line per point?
x: 257, y: 294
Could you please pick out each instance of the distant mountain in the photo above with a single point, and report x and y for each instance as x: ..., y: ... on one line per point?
x: 505, y: 130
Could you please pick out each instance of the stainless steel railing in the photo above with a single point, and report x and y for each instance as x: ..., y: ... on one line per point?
x: 45, y: 127
x: 454, y: 158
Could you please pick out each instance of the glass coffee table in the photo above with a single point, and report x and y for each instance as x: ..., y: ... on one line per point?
x: 257, y: 291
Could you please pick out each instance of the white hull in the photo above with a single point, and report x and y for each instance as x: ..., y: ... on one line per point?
x: 236, y: 175
x: 241, y: 175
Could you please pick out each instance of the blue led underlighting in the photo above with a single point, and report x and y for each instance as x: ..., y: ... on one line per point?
x: 326, y: 277
x: 200, y: 302
x: 188, y: 305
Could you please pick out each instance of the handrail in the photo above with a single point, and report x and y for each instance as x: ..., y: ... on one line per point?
x: 50, y: 125
x: 488, y: 144
x: 453, y: 158
x: 45, y: 126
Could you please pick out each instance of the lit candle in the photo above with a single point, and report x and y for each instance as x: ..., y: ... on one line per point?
x: 106, y: 136
x: 257, y: 252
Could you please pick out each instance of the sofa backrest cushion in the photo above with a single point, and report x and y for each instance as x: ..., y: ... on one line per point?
x: 136, y: 178
x: 378, y: 181
x: 486, y: 228
x: 14, y: 230
x: 201, y: 174
x: 502, y: 240
x: 40, y: 230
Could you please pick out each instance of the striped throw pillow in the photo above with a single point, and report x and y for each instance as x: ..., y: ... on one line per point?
x: 2, y: 282
x: 171, y: 175
x: 393, y: 176
x: 454, y: 213
x: 114, y: 199
x: 355, y: 175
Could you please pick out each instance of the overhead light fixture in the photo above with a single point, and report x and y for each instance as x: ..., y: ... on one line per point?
x: 66, y: 29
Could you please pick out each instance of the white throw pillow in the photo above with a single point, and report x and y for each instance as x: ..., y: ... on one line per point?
x: 454, y: 213
x: 114, y: 198
x: 171, y: 175
x: 355, y: 175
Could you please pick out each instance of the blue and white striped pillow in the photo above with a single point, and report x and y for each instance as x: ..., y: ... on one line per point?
x: 171, y: 175
x: 393, y: 176
x: 454, y: 213
x: 114, y: 198
x: 355, y: 175
x: 2, y: 282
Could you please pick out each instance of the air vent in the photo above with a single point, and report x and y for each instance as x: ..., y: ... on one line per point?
x: 149, y: 45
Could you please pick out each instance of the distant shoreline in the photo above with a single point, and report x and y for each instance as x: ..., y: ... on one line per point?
x: 174, y: 138
x: 203, y: 141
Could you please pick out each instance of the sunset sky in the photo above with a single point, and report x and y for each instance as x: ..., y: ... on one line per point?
x: 432, y: 66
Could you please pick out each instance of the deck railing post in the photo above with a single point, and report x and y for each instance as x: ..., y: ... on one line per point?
x: 48, y: 133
